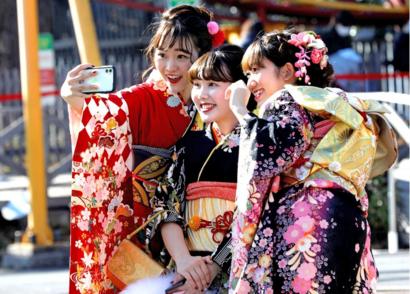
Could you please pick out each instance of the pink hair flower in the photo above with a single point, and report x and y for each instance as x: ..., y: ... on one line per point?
x: 307, y: 38
x: 213, y: 27
x: 311, y: 50
x: 296, y: 40
x: 316, y: 55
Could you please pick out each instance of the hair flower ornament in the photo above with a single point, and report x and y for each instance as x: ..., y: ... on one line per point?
x: 312, y: 50
x: 218, y: 36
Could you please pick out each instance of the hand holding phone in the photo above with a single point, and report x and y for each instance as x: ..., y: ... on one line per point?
x: 103, y: 77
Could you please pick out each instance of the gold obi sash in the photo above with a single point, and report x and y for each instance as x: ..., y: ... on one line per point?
x: 356, y: 144
x: 209, y: 213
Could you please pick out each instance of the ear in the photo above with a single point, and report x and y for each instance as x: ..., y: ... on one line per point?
x: 287, y: 72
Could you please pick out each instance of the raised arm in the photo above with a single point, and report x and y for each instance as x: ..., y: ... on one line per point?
x: 74, y: 85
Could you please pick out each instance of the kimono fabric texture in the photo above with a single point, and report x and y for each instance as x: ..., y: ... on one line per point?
x: 301, y: 223
x: 112, y: 180
x: 199, y: 195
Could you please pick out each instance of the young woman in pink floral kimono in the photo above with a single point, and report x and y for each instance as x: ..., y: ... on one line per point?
x: 121, y: 143
x: 301, y: 225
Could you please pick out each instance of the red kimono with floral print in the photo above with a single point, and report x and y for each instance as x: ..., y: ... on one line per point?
x: 102, y: 208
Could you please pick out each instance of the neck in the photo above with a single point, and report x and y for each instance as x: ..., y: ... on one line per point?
x: 186, y: 95
x: 227, y: 125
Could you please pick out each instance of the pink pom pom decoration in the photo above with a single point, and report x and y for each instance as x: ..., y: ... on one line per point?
x: 213, y: 27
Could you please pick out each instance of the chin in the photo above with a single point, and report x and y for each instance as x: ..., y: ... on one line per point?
x: 205, y: 119
x: 175, y: 89
x: 261, y: 102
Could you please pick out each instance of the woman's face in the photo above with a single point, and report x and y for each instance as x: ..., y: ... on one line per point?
x: 173, y: 64
x: 209, y: 99
x: 264, y: 81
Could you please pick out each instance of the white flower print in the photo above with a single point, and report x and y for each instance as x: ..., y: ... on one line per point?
x: 85, y: 214
x: 88, y: 259
x: 335, y: 166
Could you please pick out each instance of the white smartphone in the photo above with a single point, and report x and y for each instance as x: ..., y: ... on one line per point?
x: 104, y: 79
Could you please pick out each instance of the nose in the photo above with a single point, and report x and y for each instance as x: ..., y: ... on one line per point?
x: 203, y: 92
x: 251, y: 84
x: 171, y: 64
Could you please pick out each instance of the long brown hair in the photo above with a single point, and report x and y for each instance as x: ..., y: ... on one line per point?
x: 184, y: 23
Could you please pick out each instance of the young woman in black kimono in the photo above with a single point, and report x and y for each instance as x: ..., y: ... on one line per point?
x: 301, y: 220
x: 199, y: 193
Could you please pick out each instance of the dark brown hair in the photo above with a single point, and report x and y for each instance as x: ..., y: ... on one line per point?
x: 184, y: 23
x: 220, y: 64
x: 275, y: 47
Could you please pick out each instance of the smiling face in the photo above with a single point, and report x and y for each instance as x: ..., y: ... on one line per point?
x: 211, y: 75
x: 209, y: 99
x: 264, y: 80
x: 173, y: 63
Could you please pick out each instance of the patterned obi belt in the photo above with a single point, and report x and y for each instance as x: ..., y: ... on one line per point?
x: 150, y: 165
x: 209, y: 213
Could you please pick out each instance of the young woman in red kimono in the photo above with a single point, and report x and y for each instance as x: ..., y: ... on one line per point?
x: 301, y: 223
x: 121, y: 142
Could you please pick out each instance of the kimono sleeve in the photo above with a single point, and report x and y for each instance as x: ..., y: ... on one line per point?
x: 154, y: 121
x: 169, y: 199
x: 277, y: 139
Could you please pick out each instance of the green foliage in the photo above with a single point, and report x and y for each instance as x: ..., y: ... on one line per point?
x: 377, y: 191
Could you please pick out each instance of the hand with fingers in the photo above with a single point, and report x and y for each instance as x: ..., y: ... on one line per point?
x: 196, y: 272
x: 238, y: 95
x: 212, y: 267
x: 74, y: 85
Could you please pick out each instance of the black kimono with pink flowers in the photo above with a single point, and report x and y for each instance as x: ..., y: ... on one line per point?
x: 294, y: 238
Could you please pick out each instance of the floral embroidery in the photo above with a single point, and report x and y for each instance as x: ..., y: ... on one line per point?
x: 159, y: 83
x: 99, y: 218
x: 231, y: 141
x: 301, y: 226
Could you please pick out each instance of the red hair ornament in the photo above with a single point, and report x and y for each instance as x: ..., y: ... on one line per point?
x: 218, y: 36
